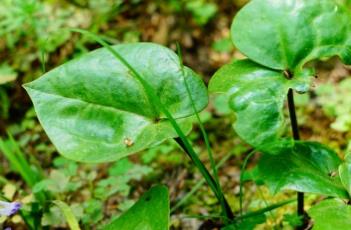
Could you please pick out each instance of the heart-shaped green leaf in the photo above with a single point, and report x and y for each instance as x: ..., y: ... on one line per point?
x: 151, y: 212
x: 307, y: 167
x: 95, y: 110
x: 256, y: 95
x: 331, y: 214
x: 285, y: 35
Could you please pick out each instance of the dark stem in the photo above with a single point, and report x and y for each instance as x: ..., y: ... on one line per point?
x: 293, y: 119
x: 228, y: 210
x: 296, y: 135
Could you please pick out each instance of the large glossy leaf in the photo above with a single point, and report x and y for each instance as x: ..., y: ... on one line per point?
x: 94, y: 110
x: 151, y: 212
x: 307, y: 167
x: 286, y: 34
x: 331, y: 214
x: 256, y: 95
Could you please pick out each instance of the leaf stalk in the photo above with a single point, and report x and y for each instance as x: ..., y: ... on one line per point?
x: 296, y: 136
x: 210, y: 180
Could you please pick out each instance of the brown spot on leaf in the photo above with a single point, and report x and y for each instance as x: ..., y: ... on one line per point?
x: 128, y: 142
x: 332, y: 174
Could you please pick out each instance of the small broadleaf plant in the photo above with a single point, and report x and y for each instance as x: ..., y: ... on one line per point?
x: 119, y: 100
x: 94, y: 110
x: 280, y: 38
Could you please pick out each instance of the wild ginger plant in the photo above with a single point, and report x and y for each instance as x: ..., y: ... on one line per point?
x: 119, y: 100
x: 280, y: 38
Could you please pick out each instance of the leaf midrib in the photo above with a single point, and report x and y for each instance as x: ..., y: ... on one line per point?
x: 95, y: 104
